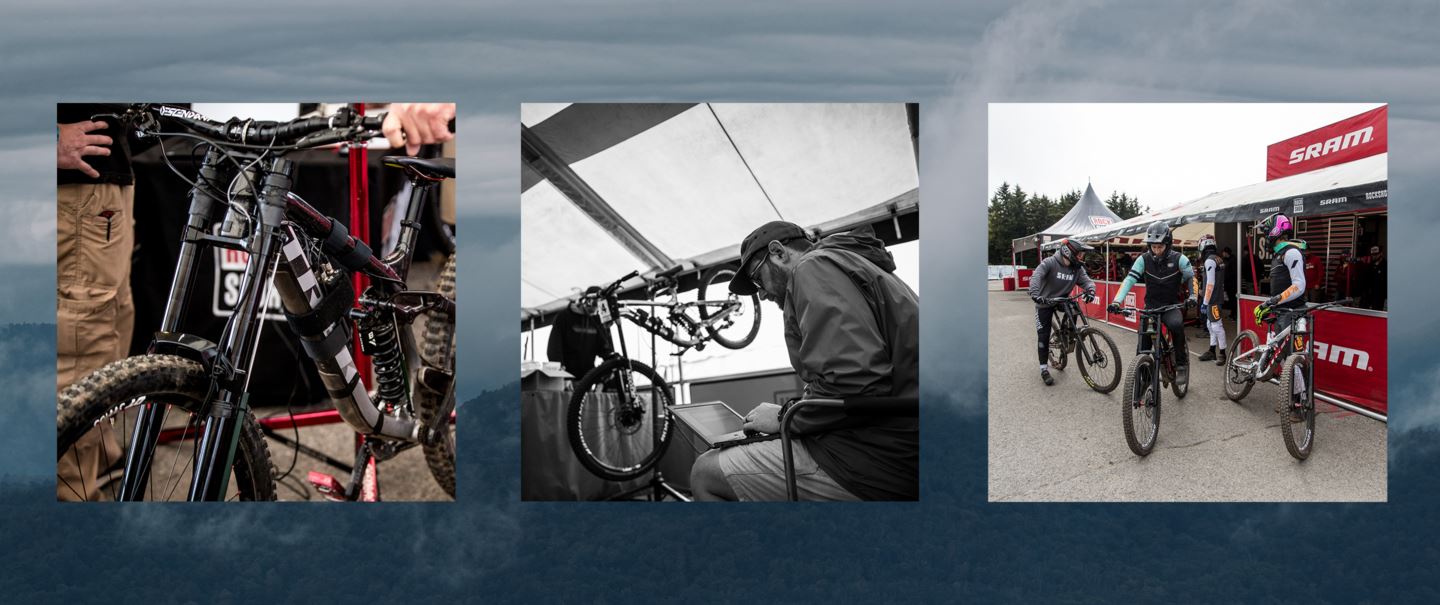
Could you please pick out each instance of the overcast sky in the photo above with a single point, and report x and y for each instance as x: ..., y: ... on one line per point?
x: 1164, y: 153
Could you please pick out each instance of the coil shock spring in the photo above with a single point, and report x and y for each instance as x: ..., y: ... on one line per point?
x: 384, y: 350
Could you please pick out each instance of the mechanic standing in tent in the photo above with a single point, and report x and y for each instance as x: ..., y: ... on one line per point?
x: 852, y: 328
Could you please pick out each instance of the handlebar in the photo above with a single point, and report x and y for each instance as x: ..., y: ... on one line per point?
x: 1062, y: 299
x: 344, y: 125
x: 1128, y: 311
x: 612, y: 288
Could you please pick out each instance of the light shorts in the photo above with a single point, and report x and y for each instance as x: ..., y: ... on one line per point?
x: 756, y: 471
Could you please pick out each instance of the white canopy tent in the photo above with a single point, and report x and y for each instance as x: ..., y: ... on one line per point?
x: 1347, y: 187
x: 612, y: 188
x: 1087, y: 213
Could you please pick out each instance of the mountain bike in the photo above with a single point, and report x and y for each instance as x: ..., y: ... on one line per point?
x: 1095, y: 351
x: 241, y: 200
x: 617, y: 421
x: 1249, y: 363
x: 1152, y: 369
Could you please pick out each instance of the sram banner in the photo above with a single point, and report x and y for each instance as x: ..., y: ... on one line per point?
x: 1350, y: 354
x: 1347, y: 140
x: 229, y: 273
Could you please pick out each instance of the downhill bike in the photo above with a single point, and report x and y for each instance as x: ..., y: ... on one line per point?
x: 1094, y: 350
x: 617, y: 421
x: 241, y: 199
x: 1249, y: 363
x: 1147, y: 374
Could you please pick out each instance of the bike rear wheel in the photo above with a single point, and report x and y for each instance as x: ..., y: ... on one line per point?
x: 1297, y: 423
x: 1238, y: 381
x: 739, y: 327
x: 437, y: 350
x: 1140, y: 408
x: 1102, y: 368
x: 100, y: 411
x: 1057, y: 357
x: 615, y: 434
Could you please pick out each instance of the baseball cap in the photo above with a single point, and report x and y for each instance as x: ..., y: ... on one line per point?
x: 755, y: 243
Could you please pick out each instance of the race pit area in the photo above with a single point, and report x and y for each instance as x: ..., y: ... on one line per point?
x: 1066, y: 443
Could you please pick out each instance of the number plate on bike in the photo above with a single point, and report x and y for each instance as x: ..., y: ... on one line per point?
x: 604, y: 309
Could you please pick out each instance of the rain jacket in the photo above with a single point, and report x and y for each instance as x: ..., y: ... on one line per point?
x: 853, y: 329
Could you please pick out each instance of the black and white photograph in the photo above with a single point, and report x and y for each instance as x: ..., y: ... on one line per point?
x: 720, y: 301
x: 1221, y: 263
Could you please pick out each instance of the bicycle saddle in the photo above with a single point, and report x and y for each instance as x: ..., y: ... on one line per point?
x: 434, y: 169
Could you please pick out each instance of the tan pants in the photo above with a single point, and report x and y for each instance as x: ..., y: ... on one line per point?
x: 95, y: 236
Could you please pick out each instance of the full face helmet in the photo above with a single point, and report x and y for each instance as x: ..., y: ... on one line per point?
x: 1158, y: 233
x: 1275, y: 228
x: 1207, y: 245
x: 1074, y: 251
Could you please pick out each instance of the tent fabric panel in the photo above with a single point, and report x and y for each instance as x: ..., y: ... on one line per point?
x: 562, y: 250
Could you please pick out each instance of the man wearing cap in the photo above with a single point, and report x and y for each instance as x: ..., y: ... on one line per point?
x: 852, y: 330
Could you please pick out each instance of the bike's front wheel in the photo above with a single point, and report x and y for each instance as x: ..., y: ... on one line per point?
x: 1140, y: 408
x: 1239, y: 380
x: 1099, y: 359
x: 619, y: 433
x: 741, y: 324
x: 97, y: 416
x: 1297, y: 419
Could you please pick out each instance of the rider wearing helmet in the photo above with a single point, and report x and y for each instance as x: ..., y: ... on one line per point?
x: 1210, y: 286
x: 1287, y: 277
x: 1056, y: 277
x: 1168, y: 277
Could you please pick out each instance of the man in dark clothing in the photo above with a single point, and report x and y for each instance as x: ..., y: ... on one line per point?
x: 1373, y: 291
x: 1056, y: 277
x: 852, y: 330
x: 577, y: 337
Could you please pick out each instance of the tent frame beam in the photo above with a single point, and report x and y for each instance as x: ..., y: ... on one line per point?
x: 543, y: 159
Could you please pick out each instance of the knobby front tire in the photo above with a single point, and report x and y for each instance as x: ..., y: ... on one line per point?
x: 102, y: 405
x: 607, y: 431
x: 746, y: 319
x: 1104, y: 374
x: 1139, y: 414
x: 437, y: 350
x: 1297, y: 426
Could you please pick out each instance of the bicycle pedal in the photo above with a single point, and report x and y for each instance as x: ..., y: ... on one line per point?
x: 328, y: 486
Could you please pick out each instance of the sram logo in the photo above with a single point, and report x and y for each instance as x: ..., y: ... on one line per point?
x: 1344, y: 141
x: 1354, y: 358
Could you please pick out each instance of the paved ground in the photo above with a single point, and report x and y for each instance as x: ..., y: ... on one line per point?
x: 1065, y: 443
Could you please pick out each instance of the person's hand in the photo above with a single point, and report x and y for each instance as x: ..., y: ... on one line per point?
x: 765, y: 418
x: 1113, y: 308
x: 1089, y: 297
x: 75, y: 142
x: 1260, y: 312
x: 1191, y: 303
x: 414, y: 124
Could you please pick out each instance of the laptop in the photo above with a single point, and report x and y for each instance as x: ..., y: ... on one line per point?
x: 714, y: 425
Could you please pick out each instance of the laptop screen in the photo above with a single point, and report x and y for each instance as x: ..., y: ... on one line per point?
x: 709, y: 419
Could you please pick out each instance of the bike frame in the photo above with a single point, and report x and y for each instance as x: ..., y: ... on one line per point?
x: 281, y: 220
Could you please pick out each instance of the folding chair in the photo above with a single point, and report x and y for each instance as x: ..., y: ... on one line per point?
x: 894, y: 407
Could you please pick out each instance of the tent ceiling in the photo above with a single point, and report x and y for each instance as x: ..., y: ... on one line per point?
x: 671, y: 172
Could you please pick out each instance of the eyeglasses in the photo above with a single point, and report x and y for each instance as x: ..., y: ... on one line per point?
x: 750, y: 273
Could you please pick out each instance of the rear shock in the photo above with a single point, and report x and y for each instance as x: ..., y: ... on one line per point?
x: 382, y: 344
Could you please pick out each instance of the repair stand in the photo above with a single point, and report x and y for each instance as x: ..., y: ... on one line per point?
x: 657, y: 484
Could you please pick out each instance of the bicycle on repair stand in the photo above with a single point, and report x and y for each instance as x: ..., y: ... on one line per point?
x: 618, y: 422
x: 1152, y: 369
x: 241, y: 199
x: 1249, y: 363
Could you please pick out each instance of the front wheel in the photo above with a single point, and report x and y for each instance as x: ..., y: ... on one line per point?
x: 97, y: 415
x: 613, y: 429
x: 739, y: 326
x: 1099, y: 360
x: 1297, y: 419
x: 1238, y: 380
x: 1140, y: 409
